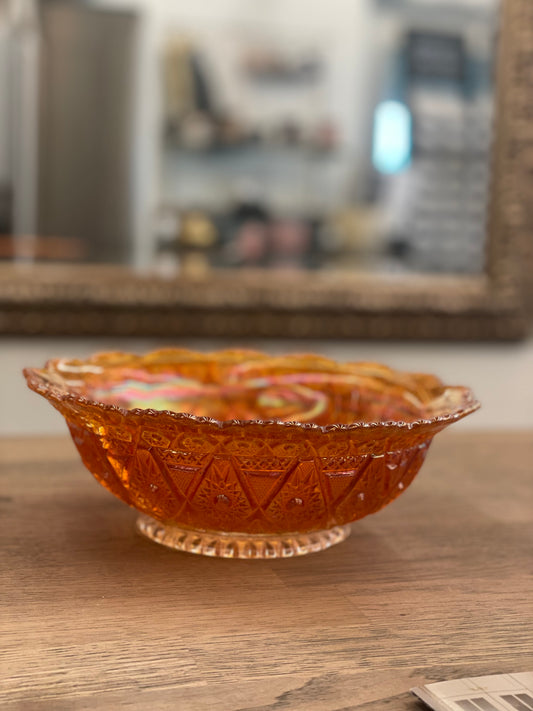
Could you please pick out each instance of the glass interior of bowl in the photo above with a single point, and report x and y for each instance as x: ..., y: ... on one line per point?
x: 246, y: 385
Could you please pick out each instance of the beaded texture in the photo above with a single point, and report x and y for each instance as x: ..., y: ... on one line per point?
x: 241, y: 442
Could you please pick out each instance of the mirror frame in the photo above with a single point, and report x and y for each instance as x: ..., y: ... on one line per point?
x: 114, y: 300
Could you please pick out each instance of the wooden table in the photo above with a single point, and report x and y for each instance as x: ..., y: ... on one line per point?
x: 438, y: 585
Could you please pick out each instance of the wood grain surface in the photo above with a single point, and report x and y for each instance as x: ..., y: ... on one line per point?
x: 439, y: 585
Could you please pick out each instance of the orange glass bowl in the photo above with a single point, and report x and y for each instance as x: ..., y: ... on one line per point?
x: 239, y: 454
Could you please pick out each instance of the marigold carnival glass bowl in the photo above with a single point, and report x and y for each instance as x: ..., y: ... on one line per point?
x: 239, y: 454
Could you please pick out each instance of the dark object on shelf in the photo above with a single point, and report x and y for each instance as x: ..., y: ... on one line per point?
x: 6, y: 209
x: 436, y: 56
x: 400, y: 247
x: 203, y: 95
x: 248, y: 235
x: 250, y: 210
x: 188, y: 94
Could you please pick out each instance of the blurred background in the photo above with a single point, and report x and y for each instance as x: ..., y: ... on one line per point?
x: 171, y: 135
x: 179, y: 137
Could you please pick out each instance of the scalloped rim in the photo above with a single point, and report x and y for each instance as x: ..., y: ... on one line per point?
x: 37, y: 381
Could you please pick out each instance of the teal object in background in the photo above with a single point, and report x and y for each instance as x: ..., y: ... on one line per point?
x: 392, y: 140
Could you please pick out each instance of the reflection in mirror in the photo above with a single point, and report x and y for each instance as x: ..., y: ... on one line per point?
x: 183, y: 137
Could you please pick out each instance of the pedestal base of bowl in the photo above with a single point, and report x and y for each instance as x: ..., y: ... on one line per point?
x: 240, y: 545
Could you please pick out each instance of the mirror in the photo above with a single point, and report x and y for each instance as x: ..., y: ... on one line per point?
x: 356, y: 137
x: 233, y: 160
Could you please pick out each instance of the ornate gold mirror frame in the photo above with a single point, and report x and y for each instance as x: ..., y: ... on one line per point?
x: 111, y: 300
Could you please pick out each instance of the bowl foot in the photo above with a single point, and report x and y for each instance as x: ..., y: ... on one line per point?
x: 240, y: 545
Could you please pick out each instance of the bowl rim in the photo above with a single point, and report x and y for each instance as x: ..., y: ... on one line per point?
x: 59, y: 391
